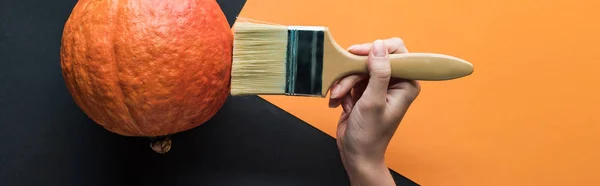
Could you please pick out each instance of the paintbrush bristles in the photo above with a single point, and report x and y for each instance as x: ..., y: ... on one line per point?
x: 259, y: 59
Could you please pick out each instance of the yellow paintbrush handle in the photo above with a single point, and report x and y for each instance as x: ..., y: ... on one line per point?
x: 419, y: 66
x: 429, y: 66
x: 338, y: 63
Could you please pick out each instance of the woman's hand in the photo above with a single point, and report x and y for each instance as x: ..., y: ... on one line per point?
x: 373, y: 107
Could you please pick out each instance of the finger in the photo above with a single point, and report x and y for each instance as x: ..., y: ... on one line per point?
x: 394, y: 45
x: 344, y: 85
x: 380, y: 72
x: 358, y: 89
x: 397, y: 83
x: 360, y: 49
x: 402, y: 93
x: 341, y: 88
x: 347, y: 103
x: 333, y: 103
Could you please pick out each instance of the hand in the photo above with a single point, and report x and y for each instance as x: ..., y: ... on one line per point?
x: 373, y: 107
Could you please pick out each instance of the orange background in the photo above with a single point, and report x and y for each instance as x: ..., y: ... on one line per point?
x: 527, y: 116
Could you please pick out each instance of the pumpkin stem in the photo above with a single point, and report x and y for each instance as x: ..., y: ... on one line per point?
x: 161, y: 144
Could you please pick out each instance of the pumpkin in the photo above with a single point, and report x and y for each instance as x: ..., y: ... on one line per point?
x: 148, y: 68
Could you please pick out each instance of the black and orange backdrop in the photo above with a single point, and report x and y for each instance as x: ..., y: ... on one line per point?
x: 527, y: 116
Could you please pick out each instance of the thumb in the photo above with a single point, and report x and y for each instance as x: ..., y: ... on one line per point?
x: 380, y: 72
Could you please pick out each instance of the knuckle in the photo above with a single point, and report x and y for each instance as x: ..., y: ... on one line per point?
x: 413, y: 92
x: 396, y: 41
x: 382, y: 73
x: 396, y: 44
x: 417, y: 88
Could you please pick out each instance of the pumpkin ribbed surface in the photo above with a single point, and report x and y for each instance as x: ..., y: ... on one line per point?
x: 147, y: 68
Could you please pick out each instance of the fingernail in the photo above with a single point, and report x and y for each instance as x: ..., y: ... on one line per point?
x: 335, y: 91
x: 352, y: 47
x: 334, y: 103
x: 379, y: 49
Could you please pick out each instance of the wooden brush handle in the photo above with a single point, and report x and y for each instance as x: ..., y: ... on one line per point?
x: 338, y: 62
x: 426, y: 66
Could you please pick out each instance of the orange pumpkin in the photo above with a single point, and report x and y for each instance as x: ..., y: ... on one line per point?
x: 147, y: 68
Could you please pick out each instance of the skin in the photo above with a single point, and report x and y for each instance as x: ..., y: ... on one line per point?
x: 373, y: 107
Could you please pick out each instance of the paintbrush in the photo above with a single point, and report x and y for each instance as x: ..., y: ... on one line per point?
x: 272, y: 59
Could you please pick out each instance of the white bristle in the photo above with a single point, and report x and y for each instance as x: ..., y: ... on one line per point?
x: 259, y: 58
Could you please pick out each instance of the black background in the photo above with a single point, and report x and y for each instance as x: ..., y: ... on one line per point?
x: 45, y: 139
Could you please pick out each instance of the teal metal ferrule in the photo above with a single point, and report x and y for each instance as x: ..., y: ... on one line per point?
x: 304, y: 61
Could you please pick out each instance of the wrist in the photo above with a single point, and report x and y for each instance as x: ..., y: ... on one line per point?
x: 360, y: 163
x: 372, y: 156
x: 367, y: 171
